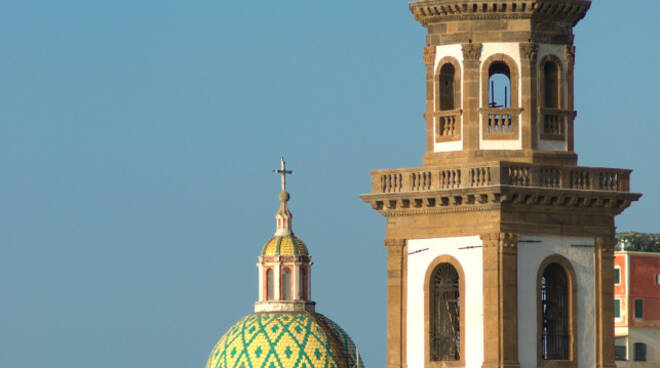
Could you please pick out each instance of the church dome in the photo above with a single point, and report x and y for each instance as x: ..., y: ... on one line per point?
x: 288, y: 245
x: 285, y: 340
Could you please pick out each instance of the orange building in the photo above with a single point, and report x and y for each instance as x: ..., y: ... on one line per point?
x: 637, y: 300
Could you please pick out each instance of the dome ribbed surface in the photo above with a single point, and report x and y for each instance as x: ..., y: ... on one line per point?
x: 288, y: 245
x: 284, y: 340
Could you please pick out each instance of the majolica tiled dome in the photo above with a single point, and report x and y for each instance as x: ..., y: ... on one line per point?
x: 288, y: 245
x: 284, y: 340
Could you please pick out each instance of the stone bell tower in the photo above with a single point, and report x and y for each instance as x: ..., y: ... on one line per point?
x: 500, y: 248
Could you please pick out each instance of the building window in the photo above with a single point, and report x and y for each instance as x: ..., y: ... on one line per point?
x: 269, y: 284
x: 555, y: 333
x: 445, y: 305
x: 639, y: 308
x: 499, y: 82
x: 499, y: 98
x: 657, y: 278
x: 617, y: 308
x: 640, y: 352
x: 304, y: 283
x: 552, y: 117
x: 447, y: 101
x: 286, y: 284
x: 617, y: 276
x: 620, y: 352
x: 447, y: 89
x: 550, y: 84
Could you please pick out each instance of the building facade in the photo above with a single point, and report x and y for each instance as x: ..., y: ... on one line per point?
x: 637, y: 300
x: 500, y: 247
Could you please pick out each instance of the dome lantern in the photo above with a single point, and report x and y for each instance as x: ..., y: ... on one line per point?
x: 284, y: 264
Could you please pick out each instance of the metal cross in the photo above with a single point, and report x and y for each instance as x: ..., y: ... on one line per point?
x: 283, y: 171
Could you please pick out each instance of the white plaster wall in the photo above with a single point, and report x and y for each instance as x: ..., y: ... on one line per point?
x: 456, y: 52
x: 511, y: 49
x: 421, y: 253
x: 558, y: 51
x: 530, y: 257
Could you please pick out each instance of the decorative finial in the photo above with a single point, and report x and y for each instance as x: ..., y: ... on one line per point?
x: 283, y: 215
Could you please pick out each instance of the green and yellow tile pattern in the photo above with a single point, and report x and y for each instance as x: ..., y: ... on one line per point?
x: 284, y: 340
x: 284, y: 246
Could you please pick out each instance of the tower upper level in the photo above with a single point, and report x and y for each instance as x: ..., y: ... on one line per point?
x: 499, y: 80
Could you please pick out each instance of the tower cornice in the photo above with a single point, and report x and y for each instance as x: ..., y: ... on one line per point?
x: 427, y: 12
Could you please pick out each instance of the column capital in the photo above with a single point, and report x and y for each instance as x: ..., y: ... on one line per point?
x: 500, y: 240
x: 472, y: 51
x: 529, y: 51
x: 429, y: 55
x: 569, y: 53
x: 395, y: 242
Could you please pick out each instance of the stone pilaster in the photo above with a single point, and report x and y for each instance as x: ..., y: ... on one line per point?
x: 529, y: 88
x: 429, y: 62
x: 396, y: 251
x: 604, y: 266
x: 569, y: 54
x: 471, y: 57
x: 500, y: 277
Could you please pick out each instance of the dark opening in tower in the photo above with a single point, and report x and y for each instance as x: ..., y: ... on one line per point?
x: 499, y: 82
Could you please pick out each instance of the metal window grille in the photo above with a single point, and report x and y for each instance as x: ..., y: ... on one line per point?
x: 555, y: 333
x: 445, y: 339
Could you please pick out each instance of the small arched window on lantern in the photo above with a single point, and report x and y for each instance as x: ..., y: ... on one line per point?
x: 286, y: 284
x: 304, y: 283
x: 269, y: 284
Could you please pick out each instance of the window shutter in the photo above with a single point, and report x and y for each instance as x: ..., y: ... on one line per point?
x: 617, y: 308
x: 640, y: 352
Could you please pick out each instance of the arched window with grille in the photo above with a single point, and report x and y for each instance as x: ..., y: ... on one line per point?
x: 286, y: 284
x: 445, y: 314
x: 269, y: 284
x: 557, y: 320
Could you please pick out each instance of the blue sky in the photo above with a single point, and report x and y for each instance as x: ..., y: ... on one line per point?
x: 137, y: 140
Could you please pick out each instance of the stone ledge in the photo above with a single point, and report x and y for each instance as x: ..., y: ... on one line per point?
x: 497, y: 197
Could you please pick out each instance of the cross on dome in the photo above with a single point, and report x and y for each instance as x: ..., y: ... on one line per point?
x: 283, y: 215
x: 284, y: 172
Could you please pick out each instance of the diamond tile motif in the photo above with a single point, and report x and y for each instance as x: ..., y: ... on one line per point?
x: 284, y: 340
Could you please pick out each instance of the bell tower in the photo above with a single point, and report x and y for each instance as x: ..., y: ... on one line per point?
x: 499, y: 80
x: 500, y: 248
